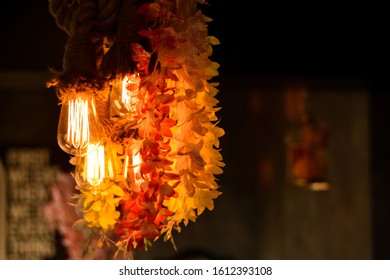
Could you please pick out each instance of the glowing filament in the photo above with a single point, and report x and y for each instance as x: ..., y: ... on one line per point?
x: 95, y: 165
x: 130, y: 87
x: 78, y: 123
x: 135, y: 165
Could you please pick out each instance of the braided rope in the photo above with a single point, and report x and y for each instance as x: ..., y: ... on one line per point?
x: 89, y: 24
x: 79, y: 60
x: 118, y: 61
x: 106, y: 17
x: 62, y: 14
x: 104, y: 23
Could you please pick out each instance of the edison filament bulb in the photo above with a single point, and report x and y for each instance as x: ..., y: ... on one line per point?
x: 124, y: 97
x: 78, y: 124
x: 96, y: 166
x: 132, y: 167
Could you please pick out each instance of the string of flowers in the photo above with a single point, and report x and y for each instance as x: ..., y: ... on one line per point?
x: 183, y: 49
x: 159, y: 134
x: 60, y: 215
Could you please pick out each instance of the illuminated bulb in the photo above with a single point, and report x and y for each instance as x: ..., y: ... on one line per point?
x: 78, y: 125
x: 96, y: 166
x: 132, y: 167
x: 125, y: 96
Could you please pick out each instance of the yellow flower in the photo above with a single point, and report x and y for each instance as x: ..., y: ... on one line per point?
x: 100, y: 208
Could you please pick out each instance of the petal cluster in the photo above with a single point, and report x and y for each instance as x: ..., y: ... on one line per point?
x: 161, y: 151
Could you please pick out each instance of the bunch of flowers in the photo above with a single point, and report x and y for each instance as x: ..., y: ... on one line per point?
x: 60, y: 215
x: 161, y: 144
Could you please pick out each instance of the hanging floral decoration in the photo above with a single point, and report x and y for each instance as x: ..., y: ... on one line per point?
x: 141, y: 120
x: 60, y: 215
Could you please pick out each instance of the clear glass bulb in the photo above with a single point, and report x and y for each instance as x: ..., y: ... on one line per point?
x: 124, y: 96
x: 132, y: 167
x: 96, y: 166
x: 78, y: 125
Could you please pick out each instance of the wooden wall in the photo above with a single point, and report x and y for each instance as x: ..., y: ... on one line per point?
x: 259, y: 215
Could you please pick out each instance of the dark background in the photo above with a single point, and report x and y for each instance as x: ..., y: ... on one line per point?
x: 263, y: 38
x: 326, y: 40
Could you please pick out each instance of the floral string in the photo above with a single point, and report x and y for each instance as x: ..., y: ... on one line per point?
x: 164, y: 151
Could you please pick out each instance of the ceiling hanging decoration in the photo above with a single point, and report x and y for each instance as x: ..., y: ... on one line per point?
x: 138, y: 116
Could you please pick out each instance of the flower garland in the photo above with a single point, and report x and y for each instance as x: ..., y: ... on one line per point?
x: 60, y: 215
x: 161, y: 153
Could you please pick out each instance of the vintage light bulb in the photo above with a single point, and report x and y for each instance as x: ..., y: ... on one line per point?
x: 124, y: 96
x: 78, y: 124
x: 132, y: 167
x: 96, y: 166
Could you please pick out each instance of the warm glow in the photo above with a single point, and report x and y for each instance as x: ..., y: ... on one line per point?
x: 77, y: 125
x: 127, y: 95
x: 95, y: 165
x: 149, y: 162
x: 319, y: 186
x: 130, y: 86
x: 78, y: 129
x: 135, y: 166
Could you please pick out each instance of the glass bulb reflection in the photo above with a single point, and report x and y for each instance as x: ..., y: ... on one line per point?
x: 125, y: 96
x: 132, y: 167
